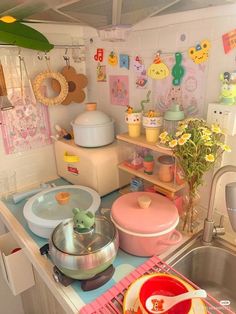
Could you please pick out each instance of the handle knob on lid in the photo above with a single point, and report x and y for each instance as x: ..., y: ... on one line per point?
x: 144, y: 201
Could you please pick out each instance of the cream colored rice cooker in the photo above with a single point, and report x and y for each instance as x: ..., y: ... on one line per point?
x: 96, y: 168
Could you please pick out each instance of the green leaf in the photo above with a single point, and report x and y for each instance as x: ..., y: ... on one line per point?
x: 23, y: 36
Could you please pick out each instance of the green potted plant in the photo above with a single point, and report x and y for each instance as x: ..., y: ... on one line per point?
x: 196, y: 147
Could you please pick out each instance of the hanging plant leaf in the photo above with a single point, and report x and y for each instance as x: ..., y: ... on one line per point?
x: 22, y: 35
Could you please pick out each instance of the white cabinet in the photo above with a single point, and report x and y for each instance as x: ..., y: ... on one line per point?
x: 16, y: 268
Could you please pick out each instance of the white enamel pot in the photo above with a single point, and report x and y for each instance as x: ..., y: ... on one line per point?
x: 93, y: 128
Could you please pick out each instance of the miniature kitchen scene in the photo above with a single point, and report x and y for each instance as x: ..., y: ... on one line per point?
x: 118, y: 142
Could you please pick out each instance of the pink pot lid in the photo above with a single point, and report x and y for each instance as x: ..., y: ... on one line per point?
x: 161, y: 215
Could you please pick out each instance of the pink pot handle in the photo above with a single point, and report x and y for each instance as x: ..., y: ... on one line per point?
x: 175, y: 238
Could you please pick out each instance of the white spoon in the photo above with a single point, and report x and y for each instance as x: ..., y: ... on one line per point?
x: 165, y: 302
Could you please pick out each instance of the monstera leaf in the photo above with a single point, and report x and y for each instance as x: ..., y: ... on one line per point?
x: 23, y: 36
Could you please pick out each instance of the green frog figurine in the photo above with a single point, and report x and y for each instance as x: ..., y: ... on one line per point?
x: 83, y: 220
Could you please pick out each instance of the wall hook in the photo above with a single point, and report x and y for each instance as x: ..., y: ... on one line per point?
x: 66, y: 57
x: 39, y: 56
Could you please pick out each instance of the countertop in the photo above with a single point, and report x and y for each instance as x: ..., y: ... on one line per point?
x: 71, y: 298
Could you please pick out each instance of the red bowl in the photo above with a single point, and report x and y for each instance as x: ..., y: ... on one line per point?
x: 168, y: 285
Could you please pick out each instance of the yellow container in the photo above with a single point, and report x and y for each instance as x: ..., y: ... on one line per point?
x: 152, y: 134
x: 134, y: 129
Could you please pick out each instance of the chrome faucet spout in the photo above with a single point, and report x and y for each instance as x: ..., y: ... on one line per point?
x: 208, y: 230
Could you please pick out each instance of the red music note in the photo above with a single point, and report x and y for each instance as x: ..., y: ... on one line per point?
x: 99, y: 55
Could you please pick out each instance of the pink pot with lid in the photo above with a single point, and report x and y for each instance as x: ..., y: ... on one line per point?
x: 146, y: 223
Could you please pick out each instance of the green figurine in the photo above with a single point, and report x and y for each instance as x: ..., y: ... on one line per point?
x: 177, y: 70
x: 83, y: 220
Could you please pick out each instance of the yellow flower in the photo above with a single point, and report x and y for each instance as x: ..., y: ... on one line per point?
x: 163, y: 140
x: 173, y: 143
x: 226, y: 148
x: 163, y: 135
x: 216, y: 129
x: 182, y: 127
x: 178, y: 133
x: 206, y: 137
x: 210, y: 158
x: 208, y: 143
x: 206, y: 131
x: 182, y: 141
x: 186, y: 136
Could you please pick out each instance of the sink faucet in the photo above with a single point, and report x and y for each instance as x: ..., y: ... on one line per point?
x: 210, y: 229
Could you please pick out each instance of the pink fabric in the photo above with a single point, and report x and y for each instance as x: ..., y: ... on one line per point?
x: 26, y: 126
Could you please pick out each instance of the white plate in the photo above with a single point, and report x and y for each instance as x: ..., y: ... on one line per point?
x: 131, y: 303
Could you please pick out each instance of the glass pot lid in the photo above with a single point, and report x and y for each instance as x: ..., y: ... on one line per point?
x: 50, y: 207
x: 70, y: 241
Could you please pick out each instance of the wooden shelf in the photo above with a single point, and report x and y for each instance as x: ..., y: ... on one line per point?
x: 141, y: 141
x: 151, y: 178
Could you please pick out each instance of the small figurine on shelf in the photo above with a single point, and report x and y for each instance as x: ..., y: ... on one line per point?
x: 62, y: 133
x: 133, y: 118
x: 151, y: 121
x: 228, y: 88
x: 135, y: 161
x: 136, y: 184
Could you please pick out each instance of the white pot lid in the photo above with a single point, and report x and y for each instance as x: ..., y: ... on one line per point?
x: 92, y: 118
x: 44, y: 210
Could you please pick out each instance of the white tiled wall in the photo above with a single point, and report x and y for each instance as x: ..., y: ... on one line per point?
x: 163, y: 33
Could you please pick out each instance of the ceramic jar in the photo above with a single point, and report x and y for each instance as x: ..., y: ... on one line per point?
x: 166, y: 168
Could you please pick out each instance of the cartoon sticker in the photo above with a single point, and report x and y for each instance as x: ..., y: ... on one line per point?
x: 124, y: 61
x: 138, y: 65
x: 112, y: 58
x: 158, y: 70
x: 199, y: 54
x: 101, y: 73
x: 99, y: 55
x: 177, y: 70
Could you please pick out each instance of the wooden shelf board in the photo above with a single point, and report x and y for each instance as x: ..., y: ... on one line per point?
x: 141, y: 141
x: 151, y: 178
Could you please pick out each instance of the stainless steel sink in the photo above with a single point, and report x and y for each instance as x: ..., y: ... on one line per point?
x: 212, y: 268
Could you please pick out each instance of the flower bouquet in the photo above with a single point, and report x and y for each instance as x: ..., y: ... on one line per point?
x: 196, y: 147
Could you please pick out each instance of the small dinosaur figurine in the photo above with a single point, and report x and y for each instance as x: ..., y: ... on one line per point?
x: 178, y: 70
x: 83, y: 220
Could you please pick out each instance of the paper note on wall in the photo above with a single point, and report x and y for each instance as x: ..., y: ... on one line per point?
x: 229, y: 41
